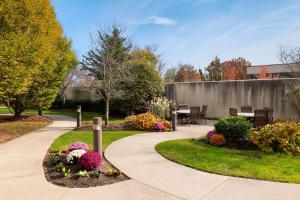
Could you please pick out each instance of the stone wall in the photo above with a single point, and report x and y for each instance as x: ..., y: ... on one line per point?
x: 221, y: 95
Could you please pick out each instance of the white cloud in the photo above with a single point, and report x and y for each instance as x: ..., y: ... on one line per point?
x: 164, y: 21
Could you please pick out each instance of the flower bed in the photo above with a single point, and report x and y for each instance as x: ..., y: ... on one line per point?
x: 77, y: 166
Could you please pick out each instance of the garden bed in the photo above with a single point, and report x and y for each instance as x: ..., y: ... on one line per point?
x: 104, y: 175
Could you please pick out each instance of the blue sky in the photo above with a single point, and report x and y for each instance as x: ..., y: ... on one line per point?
x: 189, y: 31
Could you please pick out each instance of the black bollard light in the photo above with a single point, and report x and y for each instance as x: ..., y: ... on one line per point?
x: 97, y: 134
x: 78, y: 111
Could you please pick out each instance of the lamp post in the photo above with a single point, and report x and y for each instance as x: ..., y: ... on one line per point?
x: 97, y: 134
x: 174, y: 119
x: 78, y: 111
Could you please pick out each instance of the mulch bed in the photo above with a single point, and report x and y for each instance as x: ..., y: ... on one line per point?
x: 26, y: 118
x: 103, y: 176
x: 111, y: 127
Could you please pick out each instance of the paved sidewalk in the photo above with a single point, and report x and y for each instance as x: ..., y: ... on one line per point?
x: 136, y: 157
x: 22, y: 176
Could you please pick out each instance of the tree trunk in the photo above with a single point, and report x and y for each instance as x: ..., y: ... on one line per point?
x: 106, y: 112
x: 63, y: 102
x: 40, y: 112
x: 18, y: 107
x: 17, y: 113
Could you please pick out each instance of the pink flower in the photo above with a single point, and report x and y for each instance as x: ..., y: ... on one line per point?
x: 158, y: 126
x: 90, y: 160
x: 78, y: 145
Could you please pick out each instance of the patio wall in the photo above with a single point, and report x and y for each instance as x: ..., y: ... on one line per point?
x: 220, y: 95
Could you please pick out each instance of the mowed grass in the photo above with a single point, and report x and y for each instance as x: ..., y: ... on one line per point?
x: 249, y: 164
x: 87, y: 117
x: 12, y: 130
x: 62, y: 142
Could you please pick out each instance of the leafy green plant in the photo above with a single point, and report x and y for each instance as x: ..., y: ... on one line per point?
x: 81, y: 174
x: 233, y: 127
x: 161, y: 107
x: 278, y: 137
x: 62, y: 169
x: 96, y: 174
x: 112, y: 172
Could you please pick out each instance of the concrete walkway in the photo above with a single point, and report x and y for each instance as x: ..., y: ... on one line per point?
x: 22, y: 176
x: 136, y: 157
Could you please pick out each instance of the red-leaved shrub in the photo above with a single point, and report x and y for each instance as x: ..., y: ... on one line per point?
x: 90, y: 160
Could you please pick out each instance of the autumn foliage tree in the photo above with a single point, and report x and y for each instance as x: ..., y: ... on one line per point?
x: 264, y: 73
x: 187, y: 73
x: 235, y: 69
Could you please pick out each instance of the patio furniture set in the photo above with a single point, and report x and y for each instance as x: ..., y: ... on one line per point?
x: 259, y: 118
x: 193, y: 114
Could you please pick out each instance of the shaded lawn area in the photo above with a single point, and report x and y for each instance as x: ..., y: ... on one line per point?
x: 62, y: 142
x: 12, y: 130
x: 250, y: 164
x: 87, y: 117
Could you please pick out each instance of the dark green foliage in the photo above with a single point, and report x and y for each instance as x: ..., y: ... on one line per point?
x: 233, y: 127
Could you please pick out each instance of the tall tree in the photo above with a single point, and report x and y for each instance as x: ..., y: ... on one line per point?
x: 187, y: 73
x: 236, y: 69
x: 214, y: 70
x: 106, y: 62
x: 145, y: 83
x: 31, y: 42
x: 170, y: 75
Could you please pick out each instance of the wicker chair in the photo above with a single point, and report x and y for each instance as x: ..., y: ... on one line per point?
x: 194, y: 115
x: 246, y: 109
x: 260, y: 118
x: 270, y: 114
x: 203, y: 113
x: 233, y: 111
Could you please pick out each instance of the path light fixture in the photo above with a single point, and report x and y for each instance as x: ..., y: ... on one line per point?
x: 78, y: 111
x: 97, y: 134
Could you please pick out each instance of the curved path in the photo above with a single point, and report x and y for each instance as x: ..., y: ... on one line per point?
x: 22, y: 176
x: 136, y: 157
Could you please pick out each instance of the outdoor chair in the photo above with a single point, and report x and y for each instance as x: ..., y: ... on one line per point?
x: 203, y: 113
x: 260, y: 118
x: 232, y: 111
x: 246, y: 109
x: 194, y: 115
x: 270, y: 114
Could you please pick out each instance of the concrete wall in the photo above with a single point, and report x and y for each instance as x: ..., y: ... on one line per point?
x: 221, y: 95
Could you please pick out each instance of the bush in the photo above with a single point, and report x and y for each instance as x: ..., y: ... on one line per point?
x: 74, y: 155
x: 167, y: 125
x: 90, y: 160
x: 210, y: 134
x: 78, y: 145
x: 144, y: 121
x: 161, y: 107
x: 217, y: 140
x: 278, y: 137
x: 158, y: 126
x: 233, y: 127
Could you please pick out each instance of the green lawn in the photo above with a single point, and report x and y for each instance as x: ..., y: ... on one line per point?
x: 62, y: 142
x: 87, y: 117
x: 250, y: 164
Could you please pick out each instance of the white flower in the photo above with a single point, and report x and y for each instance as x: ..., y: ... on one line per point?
x: 75, y: 155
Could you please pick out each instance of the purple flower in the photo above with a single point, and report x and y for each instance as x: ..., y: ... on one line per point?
x: 210, y: 134
x: 158, y: 126
x: 90, y: 160
x: 78, y: 145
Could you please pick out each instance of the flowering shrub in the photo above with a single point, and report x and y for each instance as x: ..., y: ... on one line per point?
x: 217, y: 140
x: 144, y: 121
x: 78, y: 145
x: 130, y: 119
x: 158, y: 126
x: 74, y: 155
x: 210, y: 134
x: 90, y: 160
x: 167, y: 125
x: 160, y: 107
x: 281, y: 136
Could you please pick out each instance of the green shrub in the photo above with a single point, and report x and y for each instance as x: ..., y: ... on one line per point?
x: 278, y: 137
x: 233, y: 127
x: 160, y: 107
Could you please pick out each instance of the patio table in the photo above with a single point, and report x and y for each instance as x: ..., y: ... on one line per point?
x: 183, y: 111
x: 250, y: 115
